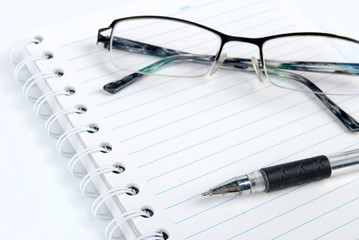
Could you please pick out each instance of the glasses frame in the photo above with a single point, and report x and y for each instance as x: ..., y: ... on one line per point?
x: 259, y: 68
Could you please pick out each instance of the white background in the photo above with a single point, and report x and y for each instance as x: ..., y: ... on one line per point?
x: 39, y: 199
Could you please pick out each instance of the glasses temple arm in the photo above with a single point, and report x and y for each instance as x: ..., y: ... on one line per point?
x: 243, y: 64
x: 322, y: 67
x: 344, y: 117
x: 116, y: 86
x: 319, y: 67
x: 229, y: 63
x: 169, y: 56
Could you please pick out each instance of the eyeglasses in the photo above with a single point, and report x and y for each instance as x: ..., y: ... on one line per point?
x: 165, y: 46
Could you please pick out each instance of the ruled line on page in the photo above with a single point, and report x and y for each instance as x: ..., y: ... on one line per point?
x: 172, y: 14
x: 86, y: 55
x: 236, y: 32
x: 153, y: 100
x: 214, y: 137
x: 171, y: 94
x: 232, y: 10
x: 219, y: 120
x: 187, y: 102
x: 184, y: 103
x: 277, y: 161
x: 188, y: 116
x: 239, y: 127
x: 182, y: 201
x: 295, y: 208
x: 316, y: 218
x: 206, y: 210
x: 102, y: 76
x: 78, y: 57
x: 202, y: 111
x: 198, y: 160
x: 277, y: 216
x: 239, y: 160
x: 199, y: 112
x: 337, y: 228
x: 91, y: 66
x: 263, y: 203
x: 242, y: 213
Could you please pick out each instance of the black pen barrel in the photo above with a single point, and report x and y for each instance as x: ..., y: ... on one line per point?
x: 297, y: 173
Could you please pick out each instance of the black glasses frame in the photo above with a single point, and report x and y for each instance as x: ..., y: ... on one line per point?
x: 236, y: 63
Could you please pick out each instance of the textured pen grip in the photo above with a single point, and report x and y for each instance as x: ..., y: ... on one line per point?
x: 297, y: 173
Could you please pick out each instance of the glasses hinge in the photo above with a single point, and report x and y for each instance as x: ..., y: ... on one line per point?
x: 103, y: 39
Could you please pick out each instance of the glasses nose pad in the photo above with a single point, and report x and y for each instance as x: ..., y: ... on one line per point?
x: 218, y: 63
x: 257, y: 70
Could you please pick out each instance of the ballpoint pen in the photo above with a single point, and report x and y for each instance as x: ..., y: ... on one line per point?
x: 286, y: 175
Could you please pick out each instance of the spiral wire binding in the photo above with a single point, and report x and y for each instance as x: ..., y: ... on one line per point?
x: 105, y: 196
x: 44, y: 98
x: 23, y: 63
x: 66, y: 135
x: 54, y: 117
x: 90, y: 176
x: 151, y: 236
x: 16, y: 46
x: 33, y: 80
x: 117, y: 221
x: 76, y: 157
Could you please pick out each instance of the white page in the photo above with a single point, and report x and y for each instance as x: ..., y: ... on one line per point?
x: 179, y: 137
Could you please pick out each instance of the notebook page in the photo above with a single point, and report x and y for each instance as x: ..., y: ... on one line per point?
x: 179, y: 137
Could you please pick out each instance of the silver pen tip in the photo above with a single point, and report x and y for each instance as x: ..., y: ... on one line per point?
x: 208, y: 193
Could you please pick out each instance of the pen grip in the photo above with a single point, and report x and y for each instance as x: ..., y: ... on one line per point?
x: 297, y: 173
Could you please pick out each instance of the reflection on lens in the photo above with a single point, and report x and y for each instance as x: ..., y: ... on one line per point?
x: 163, y: 47
x: 313, y: 64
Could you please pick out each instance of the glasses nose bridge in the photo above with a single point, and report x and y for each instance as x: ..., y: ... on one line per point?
x: 252, y: 41
x: 257, y: 64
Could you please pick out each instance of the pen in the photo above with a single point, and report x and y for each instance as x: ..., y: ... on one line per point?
x: 286, y: 175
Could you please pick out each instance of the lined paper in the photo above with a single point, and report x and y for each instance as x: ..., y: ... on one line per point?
x: 177, y: 137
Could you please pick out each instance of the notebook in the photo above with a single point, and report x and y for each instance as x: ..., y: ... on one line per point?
x: 170, y: 139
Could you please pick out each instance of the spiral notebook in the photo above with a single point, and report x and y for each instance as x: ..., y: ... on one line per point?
x: 157, y: 144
